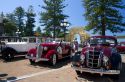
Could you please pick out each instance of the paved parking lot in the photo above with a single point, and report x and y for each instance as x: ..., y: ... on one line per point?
x: 20, y: 70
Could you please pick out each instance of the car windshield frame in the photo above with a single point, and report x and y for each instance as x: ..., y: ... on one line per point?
x: 52, y: 40
x: 102, y: 41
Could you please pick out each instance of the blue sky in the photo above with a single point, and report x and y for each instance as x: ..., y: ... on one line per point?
x: 74, y: 10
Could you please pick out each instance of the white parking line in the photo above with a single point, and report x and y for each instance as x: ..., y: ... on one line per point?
x: 82, y: 80
x: 36, y: 74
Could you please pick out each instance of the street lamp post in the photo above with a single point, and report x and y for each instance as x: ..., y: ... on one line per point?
x: 18, y: 32
x: 64, y: 24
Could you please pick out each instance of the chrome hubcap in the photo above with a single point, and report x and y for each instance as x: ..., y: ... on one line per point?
x: 54, y: 59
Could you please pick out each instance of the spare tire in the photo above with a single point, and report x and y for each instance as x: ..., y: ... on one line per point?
x: 59, y: 50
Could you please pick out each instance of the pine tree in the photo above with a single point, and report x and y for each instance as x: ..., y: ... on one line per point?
x: 30, y: 22
x: 52, y: 16
x: 10, y: 24
x: 19, y: 14
x: 104, y: 15
x: 11, y: 17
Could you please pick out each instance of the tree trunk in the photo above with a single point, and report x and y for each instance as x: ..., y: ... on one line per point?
x: 103, y: 25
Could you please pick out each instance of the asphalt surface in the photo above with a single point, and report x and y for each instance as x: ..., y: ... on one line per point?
x: 20, y: 70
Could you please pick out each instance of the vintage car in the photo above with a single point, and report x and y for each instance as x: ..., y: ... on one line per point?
x: 121, y: 47
x: 50, y: 51
x: 20, y: 46
x: 99, y: 56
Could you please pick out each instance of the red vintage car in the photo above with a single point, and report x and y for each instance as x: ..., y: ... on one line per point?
x: 99, y: 56
x: 50, y: 51
x: 121, y: 47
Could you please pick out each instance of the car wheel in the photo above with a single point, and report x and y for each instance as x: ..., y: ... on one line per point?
x: 8, y: 56
x: 53, y: 59
x: 59, y: 50
x: 78, y: 73
x: 118, y: 68
x: 31, y: 61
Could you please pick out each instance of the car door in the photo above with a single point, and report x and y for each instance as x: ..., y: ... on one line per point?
x: 65, y: 49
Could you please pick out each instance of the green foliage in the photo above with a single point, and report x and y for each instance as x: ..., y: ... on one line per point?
x: 15, y: 21
x: 11, y: 17
x: 30, y: 15
x: 104, y: 15
x: 19, y: 14
x: 9, y: 27
x: 52, y: 16
x: 9, y: 24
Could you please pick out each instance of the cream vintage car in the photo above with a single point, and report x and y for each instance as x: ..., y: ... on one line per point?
x: 20, y: 47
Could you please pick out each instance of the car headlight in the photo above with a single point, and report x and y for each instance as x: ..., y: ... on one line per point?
x: 82, y: 58
x: 31, y: 55
x: 45, y: 48
x: 105, y: 58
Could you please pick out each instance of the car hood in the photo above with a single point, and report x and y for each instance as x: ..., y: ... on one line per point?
x: 32, y: 51
x: 107, y: 51
x: 49, y: 44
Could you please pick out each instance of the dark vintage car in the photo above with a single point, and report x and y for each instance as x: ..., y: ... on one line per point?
x: 121, y: 47
x: 99, y: 56
x: 50, y: 51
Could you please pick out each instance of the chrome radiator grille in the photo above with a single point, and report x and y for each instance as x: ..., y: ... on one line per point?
x: 93, y: 59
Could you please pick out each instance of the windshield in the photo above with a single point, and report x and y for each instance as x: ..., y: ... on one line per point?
x: 122, y: 44
x: 24, y: 40
x: 52, y: 40
x: 49, y: 40
x: 102, y: 41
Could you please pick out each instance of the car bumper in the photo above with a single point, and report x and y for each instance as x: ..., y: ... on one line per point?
x: 37, y: 59
x: 99, y: 71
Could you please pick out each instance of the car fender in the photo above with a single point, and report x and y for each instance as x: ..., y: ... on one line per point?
x: 32, y: 51
x: 8, y: 49
x: 115, y: 59
x: 50, y: 53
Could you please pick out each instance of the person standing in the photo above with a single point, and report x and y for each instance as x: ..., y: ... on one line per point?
x: 76, y: 44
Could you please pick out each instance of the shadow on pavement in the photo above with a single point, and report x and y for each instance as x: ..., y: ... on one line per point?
x: 60, y: 63
x: 9, y: 79
x: 17, y: 58
x: 87, y: 77
x: 3, y: 74
x: 4, y: 78
x: 105, y: 78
